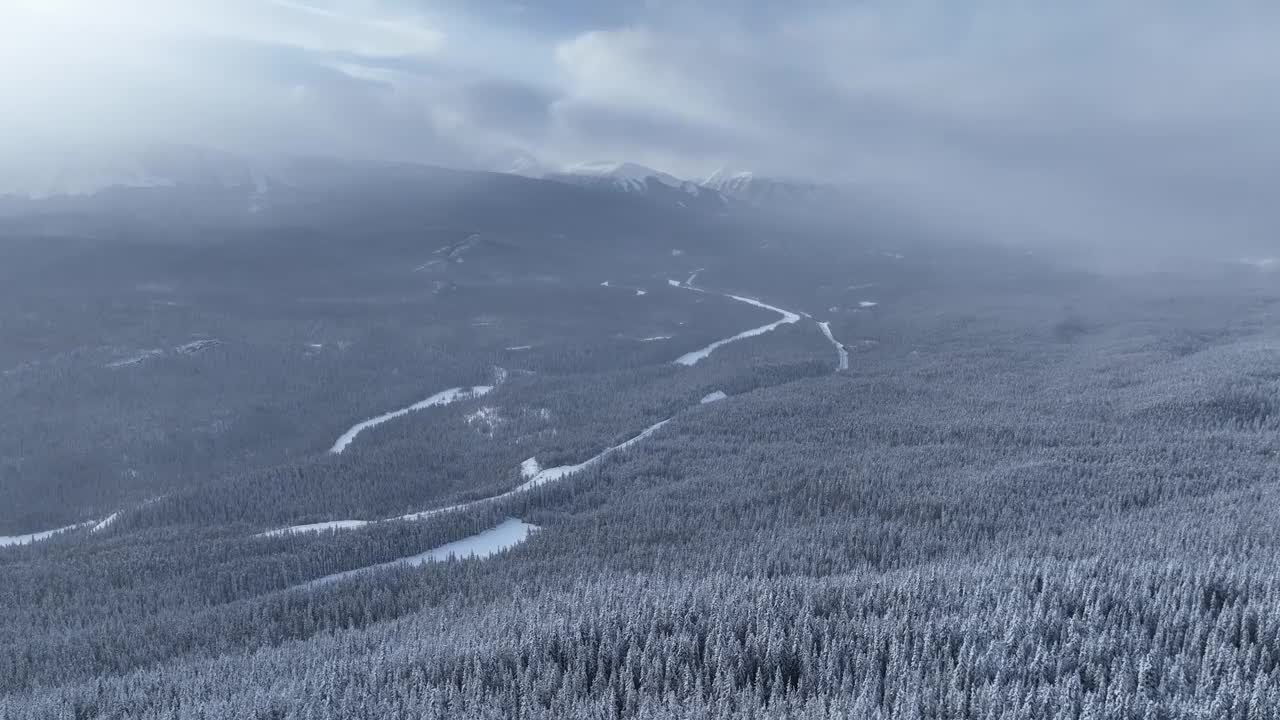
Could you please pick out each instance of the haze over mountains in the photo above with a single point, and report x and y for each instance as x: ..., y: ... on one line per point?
x: 722, y: 187
x: 84, y: 173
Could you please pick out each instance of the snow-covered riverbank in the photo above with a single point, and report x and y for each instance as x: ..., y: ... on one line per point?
x: 507, y: 535
x: 693, y: 358
x: 104, y: 523
x: 550, y: 475
x: 445, y: 397
x: 534, y: 478
x: 840, y: 349
x: 10, y: 540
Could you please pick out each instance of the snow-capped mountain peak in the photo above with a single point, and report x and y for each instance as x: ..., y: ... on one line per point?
x: 628, y: 176
x: 636, y: 179
x: 752, y: 189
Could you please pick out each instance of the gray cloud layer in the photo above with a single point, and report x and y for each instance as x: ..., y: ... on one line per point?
x: 1089, y: 120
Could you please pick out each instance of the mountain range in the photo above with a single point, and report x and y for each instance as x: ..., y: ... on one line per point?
x: 80, y: 174
x: 720, y: 189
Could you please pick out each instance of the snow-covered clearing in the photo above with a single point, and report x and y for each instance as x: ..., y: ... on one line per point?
x: 6, y: 541
x: 533, y: 478
x: 445, y: 397
x: 788, y: 317
x: 507, y: 535
x: 840, y: 349
x: 319, y: 527
x: 716, y: 396
x: 530, y: 468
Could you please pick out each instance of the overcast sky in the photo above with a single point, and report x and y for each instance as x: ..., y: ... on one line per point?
x: 1082, y: 118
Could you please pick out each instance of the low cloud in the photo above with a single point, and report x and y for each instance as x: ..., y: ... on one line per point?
x: 1142, y: 123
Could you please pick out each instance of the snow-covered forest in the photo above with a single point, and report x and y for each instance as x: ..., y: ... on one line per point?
x: 431, y: 460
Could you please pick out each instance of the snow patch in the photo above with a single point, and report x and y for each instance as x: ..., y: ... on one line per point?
x: 530, y: 468
x: 445, y: 397
x: 195, y: 346
x: 867, y: 304
x: 655, y: 338
x: 317, y: 527
x: 642, y: 293
x: 190, y: 348
x: 519, y: 348
x: 138, y: 359
x: 486, y: 419
x: 507, y: 535
x: 454, y: 251
x: 716, y: 396
x: 604, y: 284
x: 841, y: 352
